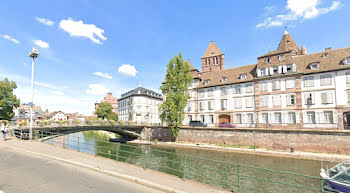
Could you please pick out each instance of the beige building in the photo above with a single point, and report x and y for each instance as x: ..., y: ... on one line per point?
x: 287, y: 88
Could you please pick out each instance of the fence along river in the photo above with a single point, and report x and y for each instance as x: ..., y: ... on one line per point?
x: 237, y: 172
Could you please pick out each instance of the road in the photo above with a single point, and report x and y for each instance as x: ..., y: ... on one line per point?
x: 25, y: 173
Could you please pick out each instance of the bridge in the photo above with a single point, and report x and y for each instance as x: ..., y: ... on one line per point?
x: 127, y: 131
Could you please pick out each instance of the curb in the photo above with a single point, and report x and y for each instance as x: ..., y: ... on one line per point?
x: 115, y: 174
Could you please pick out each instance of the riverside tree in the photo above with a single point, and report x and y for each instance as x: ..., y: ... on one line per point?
x: 175, y: 90
x: 105, y: 110
x: 8, y: 100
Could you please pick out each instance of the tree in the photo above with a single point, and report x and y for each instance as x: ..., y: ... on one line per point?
x: 8, y: 100
x: 112, y: 116
x: 175, y: 89
x: 104, y: 109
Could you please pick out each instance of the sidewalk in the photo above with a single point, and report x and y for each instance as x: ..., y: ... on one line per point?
x: 150, y: 178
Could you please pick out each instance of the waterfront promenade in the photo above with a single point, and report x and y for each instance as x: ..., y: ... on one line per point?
x: 56, y: 160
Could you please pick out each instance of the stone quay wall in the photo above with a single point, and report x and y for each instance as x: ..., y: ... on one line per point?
x: 308, y: 140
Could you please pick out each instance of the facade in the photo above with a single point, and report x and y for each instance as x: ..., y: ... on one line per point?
x: 23, y: 112
x: 110, y: 99
x: 140, y: 106
x: 56, y: 116
x: 286, y: 88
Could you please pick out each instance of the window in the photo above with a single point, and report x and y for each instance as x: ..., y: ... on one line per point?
x: 348, y: 96
x: 263, y: 101
x: 223, y: 79
x: 309, y: 98
x: 249, y: 102
x: 310, y: 117
x: 262, y: 72
x: 250, y: 118
x: 243, y: 76
x: 327, y: 97
x: 290, y: 83
x: 328, y: 116
x: 238, y: 118
x: 314, y: 66
x: 275, y: 70
x: 347, y: 61
x: 206, y: 82
x: 238, y: 103
x: 224, y: 104
x: 289, y: 68
x: 347, y: 77
x: 189, y: 118
x: 201, y: 93
x: 308, y: 81
x: 277, y: 100
x: 290, y: 99
x: 237, y: 89
x: 291, y: 118
x: 268, y: 59
x: 263, y: 86
x: 276, y: 85
x: 278, y: 117
x: 201, y: 106
x: 280, y: 58
x: 326, y: 79
x: 210, y: 105
x: 189, y: 107
x: 248, y: 88
x: 203, y: 118
x: 264, y: 118
x: 210, y: 92
x: 211, y: 118
x: 208, y: 61
x: 223, y: 91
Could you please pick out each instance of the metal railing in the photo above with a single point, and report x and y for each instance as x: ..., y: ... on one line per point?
x: 230, y: 176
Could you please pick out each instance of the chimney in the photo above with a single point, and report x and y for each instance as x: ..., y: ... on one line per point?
x: 327, y: 49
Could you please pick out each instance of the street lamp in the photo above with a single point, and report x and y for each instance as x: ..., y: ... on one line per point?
x: 33, y: 54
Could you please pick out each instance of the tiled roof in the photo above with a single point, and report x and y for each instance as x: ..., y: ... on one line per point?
x: 287, y: 43
x: 232, y: 75
x: 142, y: 92
x: 274, y: 52
x: 212, y: 50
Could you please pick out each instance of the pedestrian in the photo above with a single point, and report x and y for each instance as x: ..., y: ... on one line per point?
x: 3, y: 130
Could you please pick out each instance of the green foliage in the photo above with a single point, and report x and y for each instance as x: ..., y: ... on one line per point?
x: 175, y: 89
x: 7, y: 99
x: 104, y: 110
x: 112, y: 116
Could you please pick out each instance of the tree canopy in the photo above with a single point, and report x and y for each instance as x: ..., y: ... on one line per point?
x: 105, y: 110
x: 8, y: 100
x: 175, y: 90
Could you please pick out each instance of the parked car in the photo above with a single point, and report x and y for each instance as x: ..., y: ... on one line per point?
x: 228, y: 125
x: 197, y: 124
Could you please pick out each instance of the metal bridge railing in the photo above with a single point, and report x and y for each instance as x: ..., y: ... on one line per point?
x: 230, y: 176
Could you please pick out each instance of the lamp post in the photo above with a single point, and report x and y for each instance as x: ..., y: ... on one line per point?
x: 33, y: 54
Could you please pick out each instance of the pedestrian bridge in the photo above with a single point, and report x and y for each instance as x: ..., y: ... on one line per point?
x: 127, y: 131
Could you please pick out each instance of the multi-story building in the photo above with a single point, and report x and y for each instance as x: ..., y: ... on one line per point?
x: 286, y: 88
x: 109, y: 99
x: 140, y: 105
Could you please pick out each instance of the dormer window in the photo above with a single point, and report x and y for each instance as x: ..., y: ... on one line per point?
x: 223, y: 79
x: 280, y: 58
x: 314, y: 66
x: 243, y: 76
x: 347, y: 61
x: 275, y: 69
x: 289, y: 68
x: 262, y: 72
x: 268, y: 60
x: 206, y: 82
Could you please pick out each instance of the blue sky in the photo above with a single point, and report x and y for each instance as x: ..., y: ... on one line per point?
x: 88, y: 48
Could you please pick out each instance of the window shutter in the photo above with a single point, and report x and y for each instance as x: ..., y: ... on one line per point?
x: 306, y: 98
x: 330, y: 97
x: 324, y: 98
x: 284, y: 68
x: 271, y: 70
x: 313, y: 98
x: 294, y: 67
x: 267, y: 71
x: 288, y: 99
x: 280, y: 69
x: 258, y: 72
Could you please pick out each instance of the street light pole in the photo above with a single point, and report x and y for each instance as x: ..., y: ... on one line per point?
x: 33, y: 54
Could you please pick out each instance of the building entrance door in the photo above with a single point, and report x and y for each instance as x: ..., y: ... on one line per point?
x: 346, y: 119
x: 224, y: 119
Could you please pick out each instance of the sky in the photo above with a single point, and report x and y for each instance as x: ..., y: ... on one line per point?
x: 88, y: 48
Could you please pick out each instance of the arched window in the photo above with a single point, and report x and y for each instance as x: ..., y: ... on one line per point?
x: 208, y: 61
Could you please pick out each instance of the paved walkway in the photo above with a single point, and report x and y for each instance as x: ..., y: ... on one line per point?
x: 150, y: 178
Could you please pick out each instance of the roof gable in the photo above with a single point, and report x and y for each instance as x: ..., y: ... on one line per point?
x: 212, y: 50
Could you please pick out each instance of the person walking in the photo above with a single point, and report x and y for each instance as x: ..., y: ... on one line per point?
x: 3, y: 130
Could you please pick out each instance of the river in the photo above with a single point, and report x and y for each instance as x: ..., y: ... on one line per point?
x: 217, y: 168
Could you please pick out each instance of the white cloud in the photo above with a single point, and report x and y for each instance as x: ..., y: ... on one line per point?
x: 57, y: 92
x: 79, y: 29
x: 106, y: 75
x: 5, y: 36
x: 41, y: 43
x: 45, y: 21
x: 127, y: 70
x: 299, y: 10
x: 97, y: 89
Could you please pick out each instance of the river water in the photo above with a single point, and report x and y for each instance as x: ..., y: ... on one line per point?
x: 217, y: 168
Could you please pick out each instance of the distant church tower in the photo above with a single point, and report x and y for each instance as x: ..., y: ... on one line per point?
x: 213, y: 60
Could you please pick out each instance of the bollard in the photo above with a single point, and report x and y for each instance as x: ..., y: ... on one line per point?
x: 117, y: 152
x: 78, y: 145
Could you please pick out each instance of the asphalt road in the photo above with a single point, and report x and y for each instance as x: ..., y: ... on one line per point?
x: 24, y: 173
